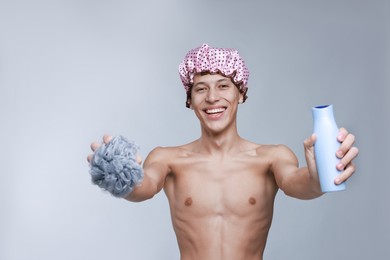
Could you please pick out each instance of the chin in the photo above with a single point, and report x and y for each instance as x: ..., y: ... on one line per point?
x: 215, y: 127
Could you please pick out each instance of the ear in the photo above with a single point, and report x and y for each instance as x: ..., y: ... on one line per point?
x: 241, y: 99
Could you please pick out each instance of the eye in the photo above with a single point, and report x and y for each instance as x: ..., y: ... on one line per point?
x: 224, y: 86
x: 200, y: 89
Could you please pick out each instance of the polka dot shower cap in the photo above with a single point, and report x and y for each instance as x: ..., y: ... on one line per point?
x: 214, y: 60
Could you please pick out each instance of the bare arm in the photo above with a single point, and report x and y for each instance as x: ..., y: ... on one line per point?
x: 155, y: 171
x: 293, y: 181
x: 303, y: 183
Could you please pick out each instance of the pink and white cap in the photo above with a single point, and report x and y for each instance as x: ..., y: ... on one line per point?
x: 213, y: 60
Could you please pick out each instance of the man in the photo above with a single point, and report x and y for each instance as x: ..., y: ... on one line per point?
x: 221, y: 187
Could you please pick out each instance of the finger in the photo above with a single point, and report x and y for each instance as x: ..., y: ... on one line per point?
x: 342, y: 134
x: 348, y: 157
x: 107, y: 138
x: 89, y: 158
x: 95, y: 145
x: 346, y: 174
x: 346, y: 145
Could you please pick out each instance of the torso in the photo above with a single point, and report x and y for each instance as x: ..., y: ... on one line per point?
x: 221, y: 207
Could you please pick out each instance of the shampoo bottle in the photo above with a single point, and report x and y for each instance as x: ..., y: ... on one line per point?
x: 325, y: 148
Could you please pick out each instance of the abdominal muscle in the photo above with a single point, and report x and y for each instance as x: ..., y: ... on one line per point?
x: 221, y: 237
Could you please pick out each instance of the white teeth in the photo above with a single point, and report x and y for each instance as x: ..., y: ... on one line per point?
x: 215, y: 110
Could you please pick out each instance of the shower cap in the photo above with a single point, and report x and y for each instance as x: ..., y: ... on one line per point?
x: 114, y: 167
x: 213, y: 60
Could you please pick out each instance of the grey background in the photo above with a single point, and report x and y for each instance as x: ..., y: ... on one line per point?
x: 71, y: 71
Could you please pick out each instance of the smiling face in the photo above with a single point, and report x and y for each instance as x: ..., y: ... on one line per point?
x: 214, y: 99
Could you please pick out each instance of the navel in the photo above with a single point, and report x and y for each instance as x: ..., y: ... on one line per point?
x: 252, y: 201
x: 188, y: 202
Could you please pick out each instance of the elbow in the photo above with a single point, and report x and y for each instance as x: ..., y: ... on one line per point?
x: 301, y: 191
x: 306, y: 195
x: 140, y: 193
x: 309, y: 196
x: 303, y: 188
x: 138, y: 197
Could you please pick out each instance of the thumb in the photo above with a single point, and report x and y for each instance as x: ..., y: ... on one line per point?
x: 309, y: 142
x: 138, y: 159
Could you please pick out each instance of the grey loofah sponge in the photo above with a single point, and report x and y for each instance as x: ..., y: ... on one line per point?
x: 114, y: 167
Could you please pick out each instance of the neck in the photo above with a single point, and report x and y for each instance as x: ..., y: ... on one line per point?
x: 219, y: 142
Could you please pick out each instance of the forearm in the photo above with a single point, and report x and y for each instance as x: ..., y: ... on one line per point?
x: 302, y: 185
x: 144, y: 191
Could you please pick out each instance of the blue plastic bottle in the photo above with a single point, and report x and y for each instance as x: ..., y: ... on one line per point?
x: 325, y: 147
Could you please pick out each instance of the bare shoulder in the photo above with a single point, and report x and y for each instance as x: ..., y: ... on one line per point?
x: 169, y: 153
x: 278, y: 152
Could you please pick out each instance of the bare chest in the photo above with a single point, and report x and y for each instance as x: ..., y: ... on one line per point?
x: 207, y: 187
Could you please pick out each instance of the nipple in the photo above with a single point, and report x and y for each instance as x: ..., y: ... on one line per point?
x: 188, y: 202
x: 252, y: 201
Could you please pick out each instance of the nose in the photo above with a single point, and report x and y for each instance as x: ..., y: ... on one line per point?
x: 212, y: 96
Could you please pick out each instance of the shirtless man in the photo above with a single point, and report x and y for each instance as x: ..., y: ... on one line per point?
x: 221, y: 187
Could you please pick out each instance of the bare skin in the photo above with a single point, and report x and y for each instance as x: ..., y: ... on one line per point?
x: 221, y: 187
